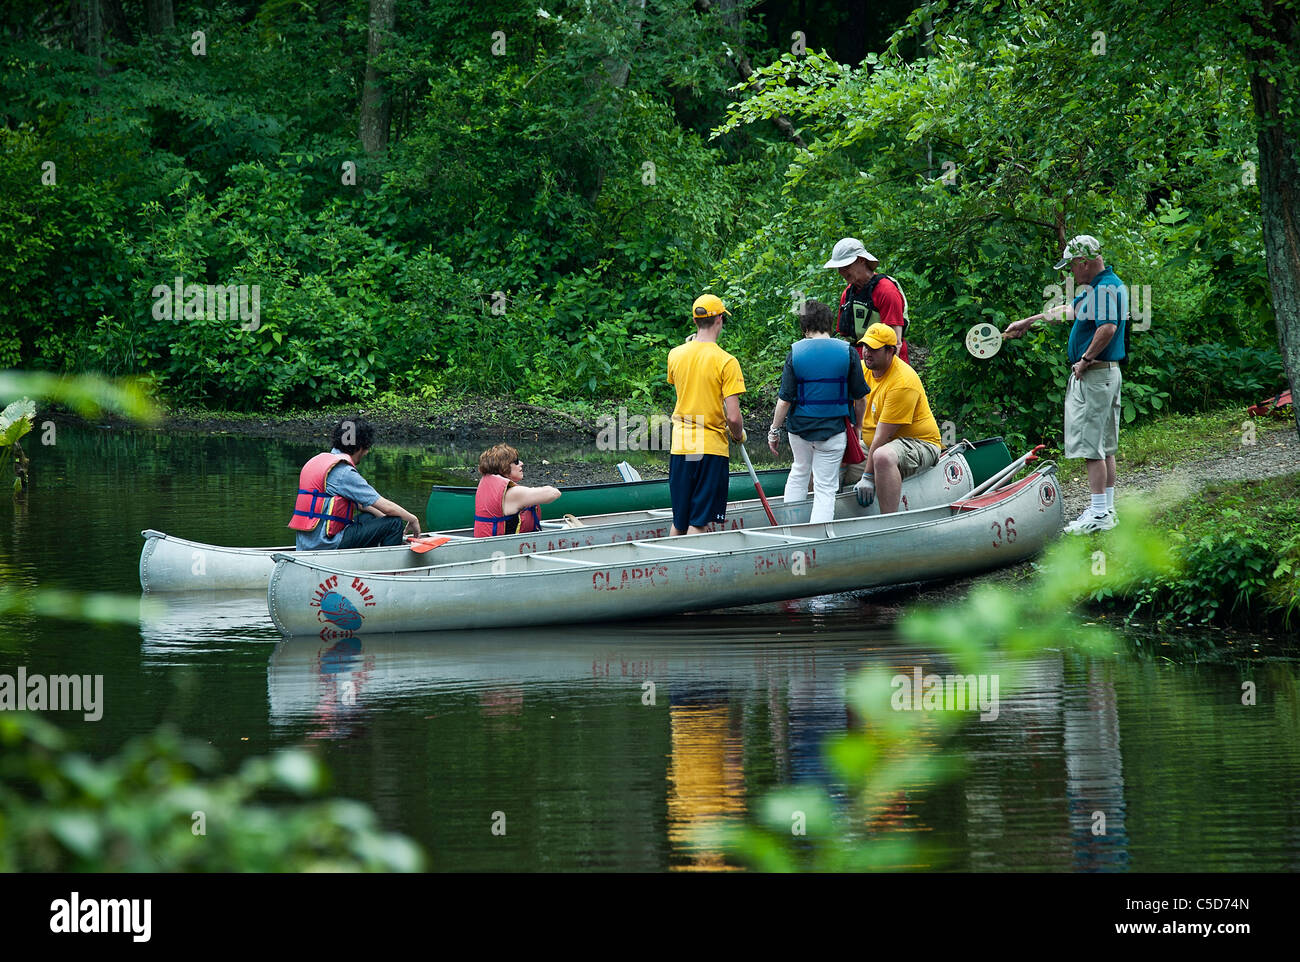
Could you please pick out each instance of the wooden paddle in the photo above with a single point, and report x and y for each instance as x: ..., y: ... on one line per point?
x: 757, y: 487
x: 422, y: 545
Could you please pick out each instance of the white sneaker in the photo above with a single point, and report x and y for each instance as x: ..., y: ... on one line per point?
x: 1088, y: 522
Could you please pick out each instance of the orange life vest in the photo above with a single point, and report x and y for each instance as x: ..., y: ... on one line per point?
x: 489, y: 514
x: 313, y: 504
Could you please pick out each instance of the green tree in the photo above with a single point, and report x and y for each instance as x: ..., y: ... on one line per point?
x: 967, y: 169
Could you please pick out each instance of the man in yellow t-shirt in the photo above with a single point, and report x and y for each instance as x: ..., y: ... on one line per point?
x: 898, y: 429
x: 709, y: 385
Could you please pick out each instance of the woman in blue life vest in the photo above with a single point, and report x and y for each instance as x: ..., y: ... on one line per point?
x: 501, y: 504
x: 821, y: 385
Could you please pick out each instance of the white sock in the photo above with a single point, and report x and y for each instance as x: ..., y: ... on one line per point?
x: 1098, y: 504
x: 1110, y: 499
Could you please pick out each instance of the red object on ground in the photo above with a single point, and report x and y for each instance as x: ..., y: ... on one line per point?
x: 1272, y: 406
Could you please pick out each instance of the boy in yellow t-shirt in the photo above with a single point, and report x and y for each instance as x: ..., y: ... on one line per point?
x: 709, y: 385
x: 898, y: 427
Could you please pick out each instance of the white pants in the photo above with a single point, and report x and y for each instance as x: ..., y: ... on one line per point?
x: 821, y: 459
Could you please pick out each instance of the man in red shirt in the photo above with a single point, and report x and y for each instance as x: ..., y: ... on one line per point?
x: 870, y: 298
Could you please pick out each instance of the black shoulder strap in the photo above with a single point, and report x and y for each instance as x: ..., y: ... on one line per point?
x: 870, y: 290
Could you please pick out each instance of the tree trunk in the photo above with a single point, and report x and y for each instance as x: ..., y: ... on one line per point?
x: 88, y: 28
x: 620, y: 70
x: 1273, y: 86
x: 616, y: 70
x: 159, y: 17
x: 375, y: 104
x: 118, y: 25
x: 731, y: 18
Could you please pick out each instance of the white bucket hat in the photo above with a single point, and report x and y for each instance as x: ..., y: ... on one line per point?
x: 846, y: 252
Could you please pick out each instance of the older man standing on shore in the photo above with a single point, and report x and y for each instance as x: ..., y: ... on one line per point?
x: 1092, y: 394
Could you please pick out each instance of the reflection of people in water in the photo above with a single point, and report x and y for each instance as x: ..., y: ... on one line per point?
x: 501, y: 701
x: 706, y: 776
x: 1094, y: 777
x: 342, y: 673
x: 501, y: 504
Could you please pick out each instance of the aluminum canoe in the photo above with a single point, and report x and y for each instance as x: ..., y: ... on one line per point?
x: 169, y: 563
x: 668, y: 575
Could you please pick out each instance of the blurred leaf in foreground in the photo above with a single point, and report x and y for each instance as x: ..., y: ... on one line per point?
x: 897, y: 755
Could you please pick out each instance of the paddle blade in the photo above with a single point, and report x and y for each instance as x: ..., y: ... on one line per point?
x: 983, y: 341
x: 421, y: 545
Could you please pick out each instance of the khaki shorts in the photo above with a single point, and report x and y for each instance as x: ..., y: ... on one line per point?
x: 1092, y: 414
x: 913, y: 457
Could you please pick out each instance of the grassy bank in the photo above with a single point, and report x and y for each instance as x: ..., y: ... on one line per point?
x: 1183, y: 439
x: 1237, y: 547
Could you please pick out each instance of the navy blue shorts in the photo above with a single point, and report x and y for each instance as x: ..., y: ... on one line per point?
x: 698, y: 489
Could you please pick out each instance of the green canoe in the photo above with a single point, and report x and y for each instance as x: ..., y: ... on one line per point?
x: 453, y: 507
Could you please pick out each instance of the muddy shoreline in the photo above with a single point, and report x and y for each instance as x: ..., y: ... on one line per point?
x: 469, y: 418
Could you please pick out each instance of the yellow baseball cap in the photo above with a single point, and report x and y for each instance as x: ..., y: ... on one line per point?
x: 709, y: 305
x: 879, y: 335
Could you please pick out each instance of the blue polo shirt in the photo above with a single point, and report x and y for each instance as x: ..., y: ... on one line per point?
x: 345, y: 480
x: 1104, y: 301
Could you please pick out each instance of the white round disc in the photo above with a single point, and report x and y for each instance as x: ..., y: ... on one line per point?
x: 983, y: 340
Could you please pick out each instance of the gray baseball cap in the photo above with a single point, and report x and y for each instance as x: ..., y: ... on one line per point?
x: 847, y: 251
x: 1084, y: 245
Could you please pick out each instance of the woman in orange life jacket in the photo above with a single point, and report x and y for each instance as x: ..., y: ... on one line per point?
x: 501, y: 504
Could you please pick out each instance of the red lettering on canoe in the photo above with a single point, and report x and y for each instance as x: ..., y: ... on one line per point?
x: 629, y: 577
x: 797, y: 561
x: 367, y: 596
x: 324, y: 588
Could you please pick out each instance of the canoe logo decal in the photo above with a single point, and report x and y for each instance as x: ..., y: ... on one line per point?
x: 337, y: 609
x: 1047, y: 495
x: 952, y: 471
x: 341, y: 604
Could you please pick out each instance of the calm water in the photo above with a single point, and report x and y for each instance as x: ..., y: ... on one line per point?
x: 439, y: 732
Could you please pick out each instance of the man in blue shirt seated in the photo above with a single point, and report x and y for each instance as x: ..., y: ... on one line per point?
x: 336, y: 507
x: 1096, y: 346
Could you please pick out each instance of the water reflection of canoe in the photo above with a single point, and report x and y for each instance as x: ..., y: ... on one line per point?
x: 667, y: 575
x: 311, y: 678
x: 179, y: 625
x: 168, y: 563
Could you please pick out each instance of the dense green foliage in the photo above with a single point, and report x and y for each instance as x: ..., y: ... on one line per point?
x: 549, y: 203
x: 1237, y: 549
x: 159, y: 806
x: 964, y: 169
x: 994, y: 633
x: 512, y: 237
